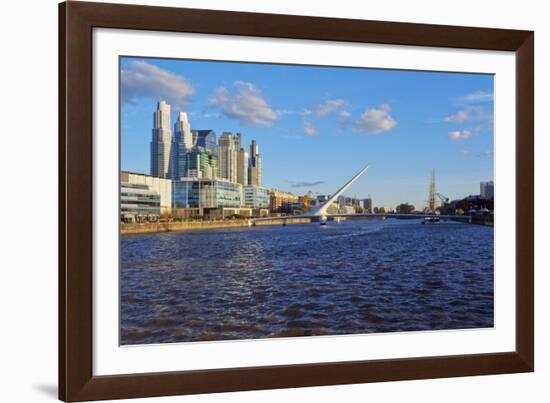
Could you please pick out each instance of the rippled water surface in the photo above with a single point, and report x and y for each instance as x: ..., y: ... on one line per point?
x: 304, y: 279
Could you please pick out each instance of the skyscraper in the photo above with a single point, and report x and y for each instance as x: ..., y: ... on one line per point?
x: 161, y: 141
x: 200, y: 163
x: 367, y: 204
x: 227, y: 157
x: 205, y: 138
x: 487, y: 190
x: 182, y: 143
x: 238, y: 139
x: 254, y: 165
x: 242, y: 166
x: 242, y: 160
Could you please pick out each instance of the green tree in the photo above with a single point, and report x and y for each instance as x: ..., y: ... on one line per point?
x: 382, y: 210
x: 405, y: 208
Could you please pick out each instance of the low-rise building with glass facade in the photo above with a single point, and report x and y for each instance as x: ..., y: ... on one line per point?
x: 206, y: 193
x: 162, y: 186
x: 256, y: 197
x: 138, y: 199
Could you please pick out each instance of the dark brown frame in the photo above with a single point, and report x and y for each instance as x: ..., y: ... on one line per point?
x: 76, y: 22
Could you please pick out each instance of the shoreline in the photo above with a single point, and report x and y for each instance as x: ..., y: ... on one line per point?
x: 183, y: 226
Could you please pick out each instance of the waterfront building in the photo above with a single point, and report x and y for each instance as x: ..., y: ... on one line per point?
x: 225, y: 212
x: 305, y: 201
x: 346, y: 209
x: 322, y: 198
x: 469, y: 204
x: 204, y: 193
x: 348, y: 204
x: 487, y: 190
x: 199, y: 162
x: 367, y: 204
x: 161, y: 186
x: 256, y: 197
x: 260, y: 212
x: 181, y: 144
x: 205, y: 139
x: 281, y: 202
x: 254, y: 165
x: 138, y: 199
x: 295, y: 208
x: 161, y: 141
x: 334, y: 208
x: 227, y: 157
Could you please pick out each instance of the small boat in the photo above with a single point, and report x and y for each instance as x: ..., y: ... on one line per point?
x: 431, y: 220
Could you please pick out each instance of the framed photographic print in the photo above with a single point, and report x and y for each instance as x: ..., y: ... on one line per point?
x: 253, y: 201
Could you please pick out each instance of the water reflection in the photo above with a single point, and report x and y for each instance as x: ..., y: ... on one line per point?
x: 299, y: 280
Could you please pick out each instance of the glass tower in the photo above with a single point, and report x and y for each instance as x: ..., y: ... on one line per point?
x: 161, y: 141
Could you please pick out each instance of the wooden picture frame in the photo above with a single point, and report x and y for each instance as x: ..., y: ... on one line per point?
x: 76, y: 23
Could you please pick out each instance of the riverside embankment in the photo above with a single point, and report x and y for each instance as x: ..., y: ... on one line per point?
x: 178, y: 226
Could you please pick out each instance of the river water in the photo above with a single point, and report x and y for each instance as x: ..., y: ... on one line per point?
x: 273, y: 281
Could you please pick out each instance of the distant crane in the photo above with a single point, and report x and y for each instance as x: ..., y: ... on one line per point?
x: 444, y: 199
x: 432, y: 192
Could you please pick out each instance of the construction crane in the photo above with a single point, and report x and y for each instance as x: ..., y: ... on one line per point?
x: 444, y: 199
x: 432, y: 193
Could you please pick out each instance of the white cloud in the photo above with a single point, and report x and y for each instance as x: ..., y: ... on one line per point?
x: 305, y: 184
x: 144, y: 80
x: 329, y: 106
x: 485, y: 154
x: 477, y: 96
x: 460, y: 116
x: 459, y: 135
x: 245, y: 104
x: 310, y: 130
x: 469, y: 113
x: 345, y: 114
x: 375, y: 120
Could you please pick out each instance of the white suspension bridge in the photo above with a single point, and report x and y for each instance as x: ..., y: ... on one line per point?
x: 321, y: 215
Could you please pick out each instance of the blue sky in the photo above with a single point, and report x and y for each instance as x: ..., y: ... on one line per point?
x: 317, y: 126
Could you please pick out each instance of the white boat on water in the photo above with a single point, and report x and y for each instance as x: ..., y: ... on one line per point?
x: 431, y: 220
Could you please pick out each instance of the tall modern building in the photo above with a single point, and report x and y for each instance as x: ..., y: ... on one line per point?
x: 182, y: 143
x: 254, y: 165
x: 161, y: 141
x: 200, y: 163
x: 238, y: 139
x: 227, y: 157
x: 242, y: 166
x: 205, y: 139
x: 487, y: 190
x: 242, y: 160
x: 367, y: 204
